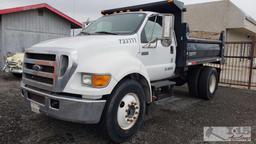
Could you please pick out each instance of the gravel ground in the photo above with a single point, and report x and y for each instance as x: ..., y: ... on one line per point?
x: 178, y: 120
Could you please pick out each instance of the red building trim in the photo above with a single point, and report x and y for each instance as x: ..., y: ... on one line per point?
x: 75, y: 24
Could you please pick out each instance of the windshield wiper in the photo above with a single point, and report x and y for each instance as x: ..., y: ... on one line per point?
x: 105, y: 32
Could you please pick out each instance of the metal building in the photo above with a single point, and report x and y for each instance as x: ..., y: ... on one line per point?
x: 219, y: 16
x: 22, y: 27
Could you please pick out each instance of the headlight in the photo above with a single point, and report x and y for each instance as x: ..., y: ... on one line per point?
x: 96, y: 80
x: 87, y: 79
x: 20, y: 62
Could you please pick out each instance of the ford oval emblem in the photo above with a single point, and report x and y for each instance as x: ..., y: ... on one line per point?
x: 37, y: 67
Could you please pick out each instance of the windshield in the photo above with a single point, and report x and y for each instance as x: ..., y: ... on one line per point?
x: 116, y: 24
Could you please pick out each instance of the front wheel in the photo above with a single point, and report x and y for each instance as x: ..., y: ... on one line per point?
x: 125, y: 110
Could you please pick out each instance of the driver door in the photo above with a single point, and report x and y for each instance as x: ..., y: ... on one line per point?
x: 158, y: 59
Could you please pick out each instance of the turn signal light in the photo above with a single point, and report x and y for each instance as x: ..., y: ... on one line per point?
x: 100, y: 81
x: 96, y: 80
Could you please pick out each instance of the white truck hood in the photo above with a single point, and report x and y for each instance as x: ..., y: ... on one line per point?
x: 90, y: 49
x: 90, y: 42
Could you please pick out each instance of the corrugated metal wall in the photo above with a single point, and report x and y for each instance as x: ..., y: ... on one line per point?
x: 1, y: 41
x: 24, y: 29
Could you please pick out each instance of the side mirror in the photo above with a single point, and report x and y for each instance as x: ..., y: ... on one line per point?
x: 168, y: 25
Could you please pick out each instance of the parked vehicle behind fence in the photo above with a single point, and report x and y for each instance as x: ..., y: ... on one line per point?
x: 13, y: 64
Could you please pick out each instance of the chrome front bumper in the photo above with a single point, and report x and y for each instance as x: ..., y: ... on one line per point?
x: 70, y: 109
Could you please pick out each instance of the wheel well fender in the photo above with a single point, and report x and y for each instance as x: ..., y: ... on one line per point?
x: 143, y: 81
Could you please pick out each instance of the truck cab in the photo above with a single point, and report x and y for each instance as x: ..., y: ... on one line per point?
x: 117, y: 66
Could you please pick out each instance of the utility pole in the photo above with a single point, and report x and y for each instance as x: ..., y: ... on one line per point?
x: 74, y: 15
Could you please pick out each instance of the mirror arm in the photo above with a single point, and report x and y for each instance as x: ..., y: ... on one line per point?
x: 150, y: 42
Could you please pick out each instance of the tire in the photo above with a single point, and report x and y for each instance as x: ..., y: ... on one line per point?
x: 208, y: 83
x: 193, y: 81
x: 113, y: 123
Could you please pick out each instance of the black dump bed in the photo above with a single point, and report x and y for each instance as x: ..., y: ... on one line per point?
x: 200, y: 51
x: 189, y: 51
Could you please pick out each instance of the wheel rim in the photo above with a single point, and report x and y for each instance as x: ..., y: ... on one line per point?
x: 212, y: 83
x: 128, y: 111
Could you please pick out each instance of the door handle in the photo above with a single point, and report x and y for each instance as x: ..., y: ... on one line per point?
x: 145, y: 53
x: 172, y: 49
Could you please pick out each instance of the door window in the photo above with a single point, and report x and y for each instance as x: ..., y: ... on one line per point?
x: 152, y: 30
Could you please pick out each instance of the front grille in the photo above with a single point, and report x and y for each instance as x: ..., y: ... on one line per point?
x: 48, y: 57
x: 40, y: 69
x: 48, y: 69
x: 12, y: 63
x: 39, y: 79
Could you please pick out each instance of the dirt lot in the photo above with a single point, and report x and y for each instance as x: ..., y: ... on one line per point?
x: 179, y: 120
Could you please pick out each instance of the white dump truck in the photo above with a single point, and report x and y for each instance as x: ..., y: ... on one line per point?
x: 118, y: 65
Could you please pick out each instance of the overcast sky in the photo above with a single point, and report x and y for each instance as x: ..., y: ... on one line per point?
x: 83, y: 9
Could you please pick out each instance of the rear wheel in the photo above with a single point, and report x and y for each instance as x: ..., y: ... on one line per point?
x: 193, y: 81
x: 125, y: 110
x: 208, y: 83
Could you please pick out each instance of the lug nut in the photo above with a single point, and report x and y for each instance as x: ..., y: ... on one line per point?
x: 130, y: 119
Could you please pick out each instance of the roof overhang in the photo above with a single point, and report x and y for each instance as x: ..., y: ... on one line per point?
x: 74, y: 23
x: 243, y: 30
x: 251, y: 20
